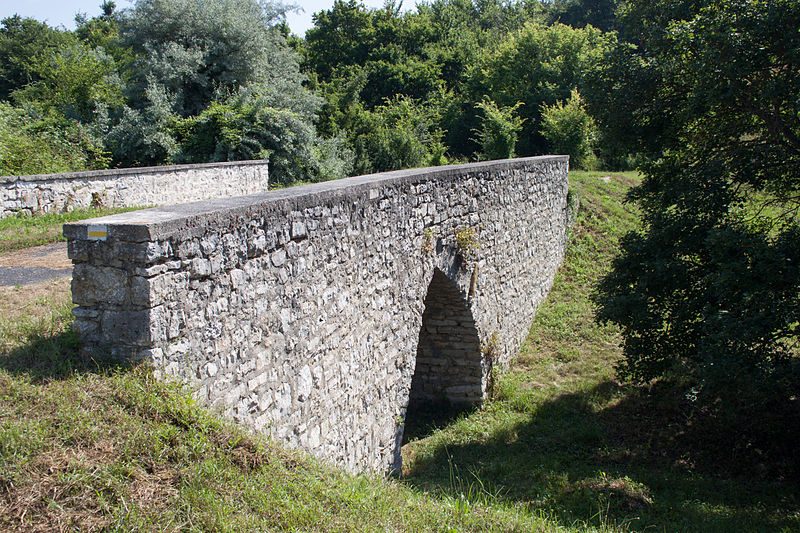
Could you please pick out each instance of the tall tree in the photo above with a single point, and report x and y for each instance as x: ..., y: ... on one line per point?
x: 22, y: 42
x: 709, y: 290
x: 538, y: 65
x: 216, y: 80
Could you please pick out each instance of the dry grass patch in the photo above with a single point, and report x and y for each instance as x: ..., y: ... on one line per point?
x: 31, y: 302
x: 52, y: 256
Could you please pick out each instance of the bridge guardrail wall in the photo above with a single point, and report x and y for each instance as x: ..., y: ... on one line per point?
x: 130, y: 187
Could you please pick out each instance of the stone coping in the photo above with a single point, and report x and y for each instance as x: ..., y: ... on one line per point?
x: 116, y: 172
x: 190, y: 218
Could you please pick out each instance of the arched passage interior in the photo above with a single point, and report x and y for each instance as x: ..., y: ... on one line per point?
x: 448, y: 374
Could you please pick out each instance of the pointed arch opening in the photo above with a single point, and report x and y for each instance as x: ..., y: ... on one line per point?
x: 448, y: 374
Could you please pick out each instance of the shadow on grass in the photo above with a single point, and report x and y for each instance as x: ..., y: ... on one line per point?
x: 424, y: 417
x: 624, y: 464
x: 54, y: 356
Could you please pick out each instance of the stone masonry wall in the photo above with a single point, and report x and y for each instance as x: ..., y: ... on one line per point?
x: 449, y: 355
x: 298, y: 312
x: 130, y: 187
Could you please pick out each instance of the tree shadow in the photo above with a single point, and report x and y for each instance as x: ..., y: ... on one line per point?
x: 55, y: 356
x: 424, y: 417
x: 622, y: 464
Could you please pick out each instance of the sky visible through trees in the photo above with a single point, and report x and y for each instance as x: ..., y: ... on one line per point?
x: 57, y: 13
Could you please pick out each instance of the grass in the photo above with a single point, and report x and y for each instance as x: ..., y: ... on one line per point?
x: 563, y: 446
x: 92, y: 447
x: 18, y: 232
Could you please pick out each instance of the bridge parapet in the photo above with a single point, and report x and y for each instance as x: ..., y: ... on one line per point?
x: 300, y: 311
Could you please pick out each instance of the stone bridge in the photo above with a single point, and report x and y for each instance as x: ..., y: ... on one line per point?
x: 317, y: 313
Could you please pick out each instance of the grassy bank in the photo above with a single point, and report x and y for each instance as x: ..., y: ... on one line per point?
x: 562, y: 447
x: 17, y: 232
x: 91, y: 447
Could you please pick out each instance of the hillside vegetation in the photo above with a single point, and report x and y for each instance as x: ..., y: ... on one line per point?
x: 366, y: 90
x: 561, y: 446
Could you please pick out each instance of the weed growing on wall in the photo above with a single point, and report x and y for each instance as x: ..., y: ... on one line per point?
x: 466, y: 241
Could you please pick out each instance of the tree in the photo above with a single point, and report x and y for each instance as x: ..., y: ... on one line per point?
x: 383, y: 44
x: 709, y: 291
x: 76, y: 80
x: 569, y: 129
x: 401, y: 133
x: 22, y: 40
x: 497, y: 135
x: 538, y: 65
x: 580, y: 13
x: 34, y: 144
x: 200, y: 62
x: 199, y: 51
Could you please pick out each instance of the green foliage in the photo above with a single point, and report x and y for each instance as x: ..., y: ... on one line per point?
x: 402, y: 133
x: 22, y: 41
x: 580, y: 13
x: 78, y: 81
x: 569, y: 129
x: 708, y: 292
x: 145, y: 136
x: 386, y: 45
x: 183, y: 80
x: 497, y: 135
x: 197, y: 51
x: 466, y: 241
x: 31, y: 143
x: 539, y: 65
x: 102, y: 32
x: 246, y: 127
x: 216, y: 81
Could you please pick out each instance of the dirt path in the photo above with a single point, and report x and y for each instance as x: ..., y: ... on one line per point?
x: 35, y: 265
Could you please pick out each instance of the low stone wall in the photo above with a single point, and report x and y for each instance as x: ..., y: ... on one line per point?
x: 315, y: 313
x: 130, y: 187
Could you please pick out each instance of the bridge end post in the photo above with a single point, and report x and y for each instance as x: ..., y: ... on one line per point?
x: 116, y: 288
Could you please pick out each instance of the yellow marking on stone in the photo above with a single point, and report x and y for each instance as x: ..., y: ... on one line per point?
x: 97, y: 232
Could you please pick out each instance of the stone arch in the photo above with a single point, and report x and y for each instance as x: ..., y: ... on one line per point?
x: 448, y: 368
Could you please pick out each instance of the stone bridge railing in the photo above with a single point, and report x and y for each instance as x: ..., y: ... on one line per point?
x: 130, y: 187
x: 317, y: 313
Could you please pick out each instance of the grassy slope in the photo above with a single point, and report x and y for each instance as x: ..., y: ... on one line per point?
x: 19, y: 232
x: 91, y: 447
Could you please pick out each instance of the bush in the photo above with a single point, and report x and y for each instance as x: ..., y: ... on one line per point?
x: 31, y: 144
x: 500, y: 127
x: 402, y: 133
x: 569, y: 129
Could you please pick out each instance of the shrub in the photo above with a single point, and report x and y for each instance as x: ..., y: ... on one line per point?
x: 500, y: 127
x: 569, y: 129
x: 32, y: 144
